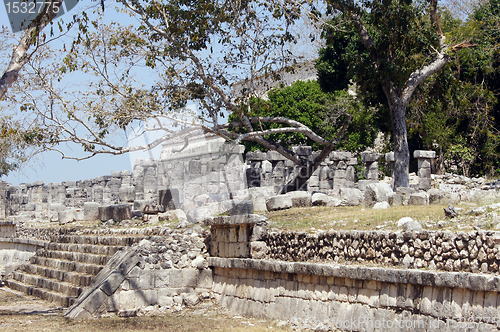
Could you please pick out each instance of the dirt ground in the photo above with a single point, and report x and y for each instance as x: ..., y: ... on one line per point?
x: 21, y: 313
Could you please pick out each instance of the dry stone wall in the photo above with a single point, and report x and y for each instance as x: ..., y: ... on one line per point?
x: 475, y: 251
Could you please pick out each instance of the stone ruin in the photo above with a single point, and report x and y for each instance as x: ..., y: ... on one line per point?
x: 206, y: 177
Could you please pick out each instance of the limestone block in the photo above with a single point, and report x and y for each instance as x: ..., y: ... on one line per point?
x: 424, y: 184
x: 421, y: 198
x: 258, y: 195
x: 424, y: 172
x: 389, y: 157
x: 274, y: 156
x: 369, y: 157
x: 363, y: 184
x: 300, y: 198
x: 377, y: 192
x: 241, y: 207
x: 112, y: 282
x: 279, y: 202
x: 381, y: 205
x: 302, y: 150
x: 94, y: 301
x: 396, y: 199
x: 340, y: 155
x: 320, y: 199
x: 424, y: 154
x: 90, y: 211
x: 256, y: 155
x: 67, y: 216
x: 126, y: 193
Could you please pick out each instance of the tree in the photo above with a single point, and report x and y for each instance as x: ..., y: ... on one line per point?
x: 31, y: 38
x: 321, y: 111
x: 196, y: 51
x: 403, y: 48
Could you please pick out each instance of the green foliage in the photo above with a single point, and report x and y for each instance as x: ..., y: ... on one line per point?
x: 320, y: 111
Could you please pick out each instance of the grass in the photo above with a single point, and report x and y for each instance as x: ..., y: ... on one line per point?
x: 352, y: 217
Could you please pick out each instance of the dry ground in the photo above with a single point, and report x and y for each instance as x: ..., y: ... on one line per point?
x: 21, y: 313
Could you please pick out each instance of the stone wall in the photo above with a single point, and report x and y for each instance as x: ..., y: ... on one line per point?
x: 15, y: 251
x: 353, y: 298
x: 329, y: 296
x: 166, y: 271
x: 475, y: 251
x: 271, y: 169
x: 205, y: 174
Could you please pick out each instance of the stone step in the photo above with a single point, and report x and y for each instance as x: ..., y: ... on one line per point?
x: 74, y: 256
x: 84, y: 248
x: 44, y: 294
x: 97, y: 240
x: 64, y: 265
x: 52, y: 285
x: 77, y: 279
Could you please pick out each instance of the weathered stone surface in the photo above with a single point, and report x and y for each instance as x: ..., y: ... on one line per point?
x: 241, y: 207
x: 408, y: 224
x: 279, y: 202
x: 351, y: 196
x: 169, y: 198
x: 300, y: 198
x: 91, y: 211
x: 67, y: 216
x: 420, y: 198
x: 258, y: 195
x: 424, y: 154
x: 381, y: 205
x: 370, y: 156
x: 377, y: 192
x: 320, y: 199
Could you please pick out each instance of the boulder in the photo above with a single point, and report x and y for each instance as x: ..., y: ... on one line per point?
x: 351, y: 196
x: 172, y: 215
x: 320, y: 199
x: 377, y: 192
x: 381, y: 205
x: 408, y: 224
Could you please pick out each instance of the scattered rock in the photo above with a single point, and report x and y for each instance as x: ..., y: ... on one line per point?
x: 381, y: 206
x: 450, y: 211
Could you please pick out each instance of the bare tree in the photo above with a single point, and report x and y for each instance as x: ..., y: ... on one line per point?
x: 196, y: 51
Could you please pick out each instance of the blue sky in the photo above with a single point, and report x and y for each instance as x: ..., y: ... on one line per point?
x: 50, y: 167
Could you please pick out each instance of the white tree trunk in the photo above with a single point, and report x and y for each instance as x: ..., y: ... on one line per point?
x: 20, y: 55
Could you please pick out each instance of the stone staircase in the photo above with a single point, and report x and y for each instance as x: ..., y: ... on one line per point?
x: 65, y: 266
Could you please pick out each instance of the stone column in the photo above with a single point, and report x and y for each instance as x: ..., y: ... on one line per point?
x: 371, y: 159
x: 341, y: 161
x: 389, y: 159
x: 424, y: 168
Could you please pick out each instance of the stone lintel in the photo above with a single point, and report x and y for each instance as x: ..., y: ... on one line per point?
x: 424, y: 154
x: 368, y: 157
